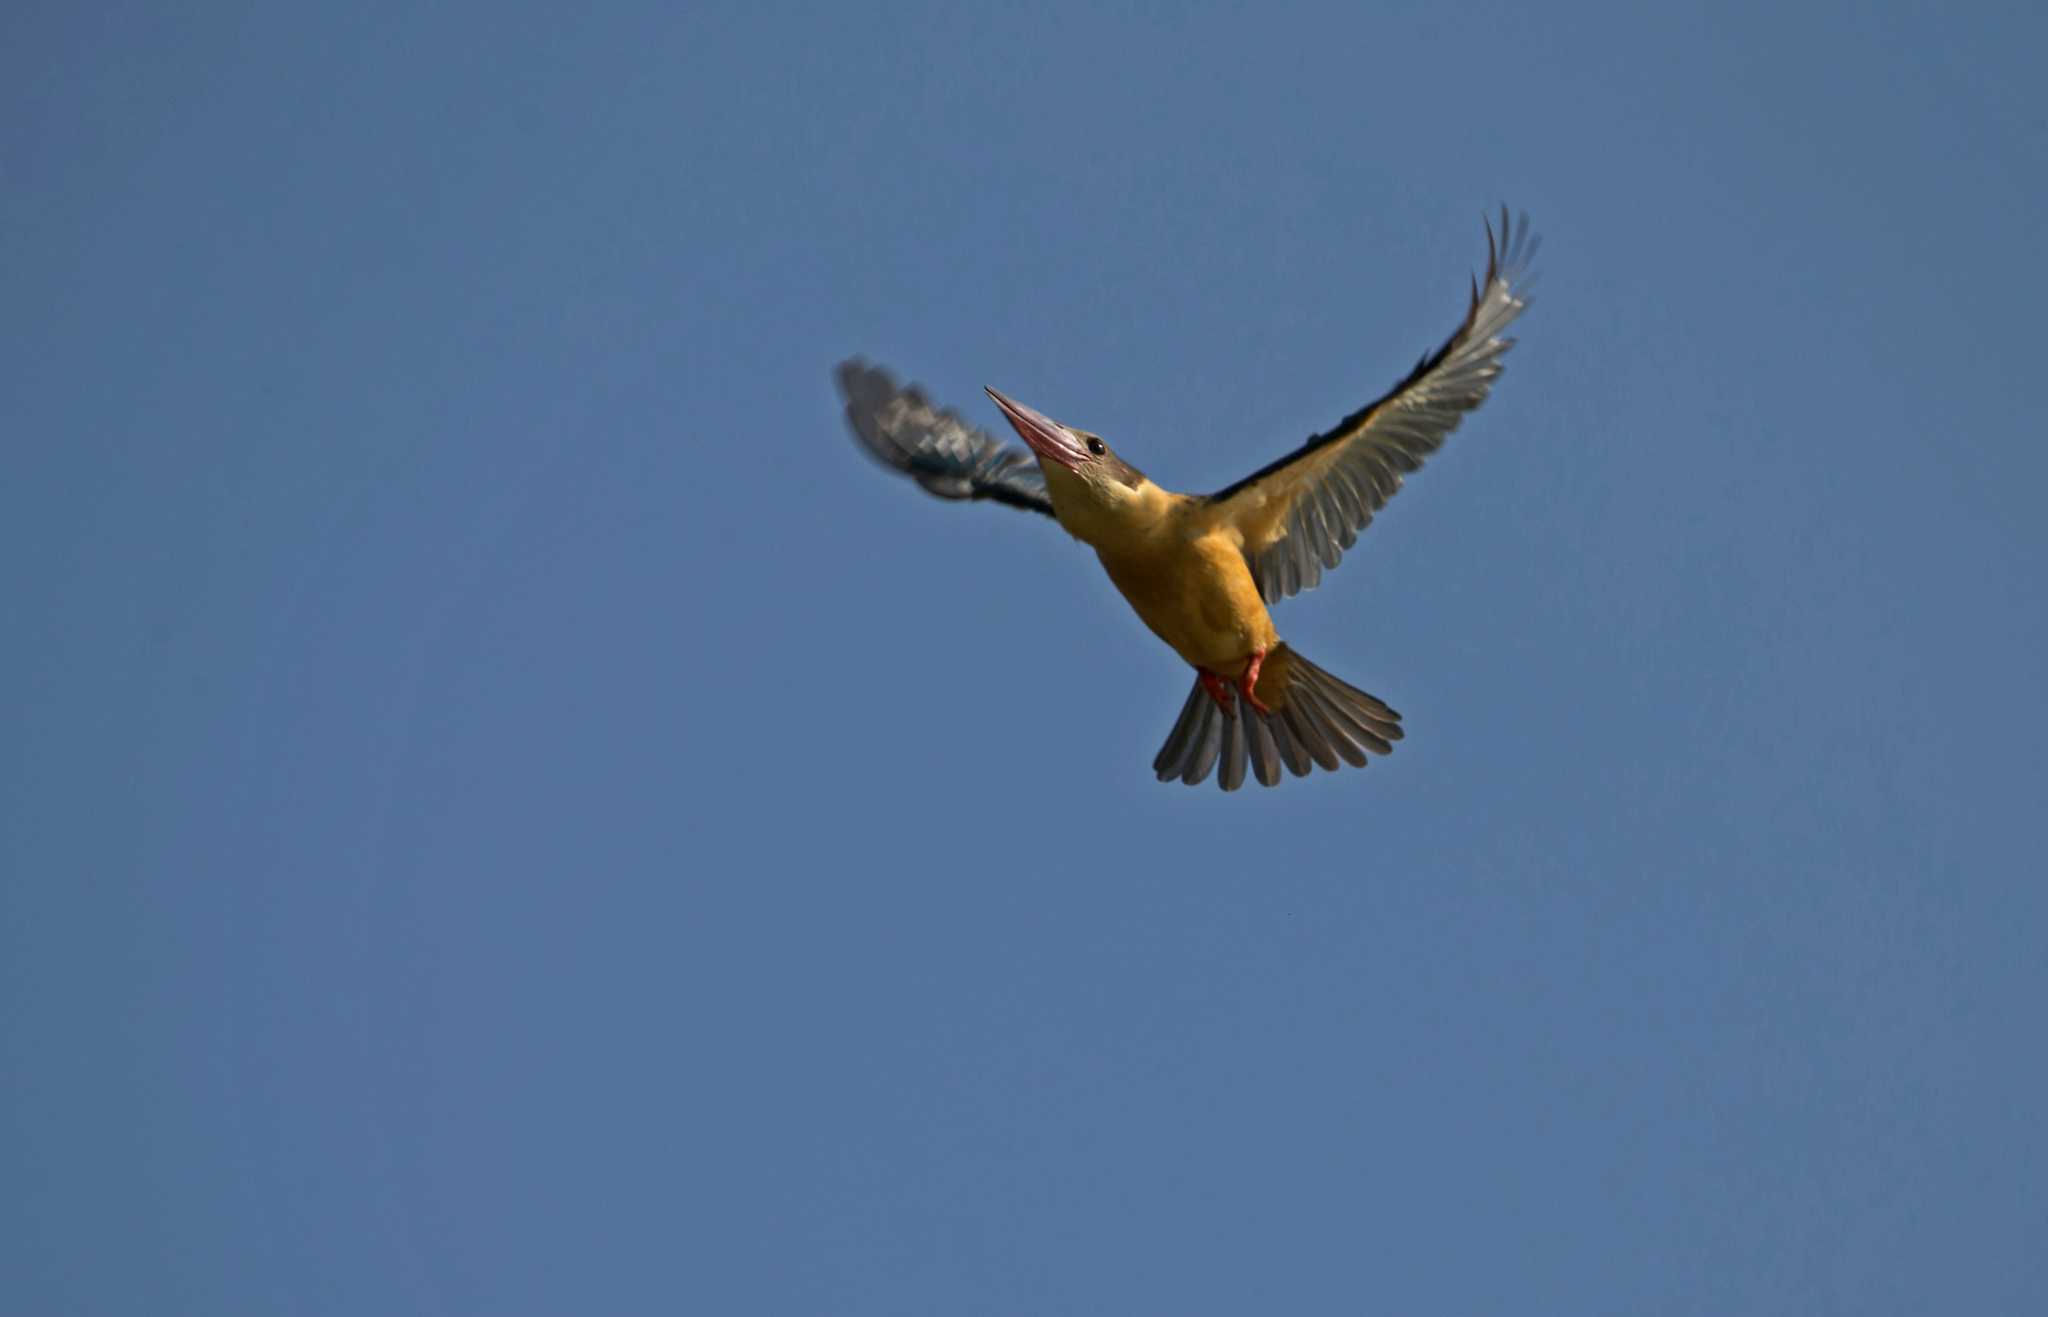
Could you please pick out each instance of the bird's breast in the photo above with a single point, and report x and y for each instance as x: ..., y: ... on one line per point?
x: 1196, y: 594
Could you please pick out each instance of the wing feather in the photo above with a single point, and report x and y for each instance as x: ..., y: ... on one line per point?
x: 1300, y: 514
x: 937, y: 447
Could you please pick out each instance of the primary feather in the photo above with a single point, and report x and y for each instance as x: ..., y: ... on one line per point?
x: 1300, y: 513
x: 936, y: 446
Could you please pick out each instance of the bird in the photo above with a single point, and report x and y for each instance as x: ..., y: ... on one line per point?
x: 1202, y: 570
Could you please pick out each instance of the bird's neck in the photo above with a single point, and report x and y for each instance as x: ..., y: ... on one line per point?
x: 1118, y: 517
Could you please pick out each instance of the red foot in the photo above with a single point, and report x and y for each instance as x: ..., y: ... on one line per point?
x: 1221, y: 690
x: 1250, y: 680
x: 1218, y: 691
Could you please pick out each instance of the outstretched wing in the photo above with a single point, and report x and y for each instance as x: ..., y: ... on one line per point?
x: 1298, y: 515
x: 937, y: 448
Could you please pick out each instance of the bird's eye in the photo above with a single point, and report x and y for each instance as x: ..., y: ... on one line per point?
x: 1096, y: 446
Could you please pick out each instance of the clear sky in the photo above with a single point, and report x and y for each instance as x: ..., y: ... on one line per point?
x: 504, y: 810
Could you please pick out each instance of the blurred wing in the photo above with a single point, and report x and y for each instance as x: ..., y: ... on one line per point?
x: 938, y: 449
x: 1298, y: 515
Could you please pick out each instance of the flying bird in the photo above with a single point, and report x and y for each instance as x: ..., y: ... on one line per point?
x: 1200, y: 570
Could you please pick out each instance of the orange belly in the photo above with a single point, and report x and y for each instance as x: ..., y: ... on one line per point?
x: 1198, y: 596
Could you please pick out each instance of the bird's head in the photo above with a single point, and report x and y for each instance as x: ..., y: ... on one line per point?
x: 1092, y: 489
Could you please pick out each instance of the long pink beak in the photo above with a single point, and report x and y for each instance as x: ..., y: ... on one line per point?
x: 1048, y: 438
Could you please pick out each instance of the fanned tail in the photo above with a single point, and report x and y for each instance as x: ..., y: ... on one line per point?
x: 1317, y: 721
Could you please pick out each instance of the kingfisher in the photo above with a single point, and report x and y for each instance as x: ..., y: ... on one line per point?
x: 1201, y: 570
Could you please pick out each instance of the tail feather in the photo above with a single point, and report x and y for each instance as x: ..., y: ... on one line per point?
x: 1316, y: 721
x: 1334, y: 734
x: 1172, y: 756
x: 1265, y: 754
x: 1288, y: 733
x: 1202, y: 748
x: 1235, y: 748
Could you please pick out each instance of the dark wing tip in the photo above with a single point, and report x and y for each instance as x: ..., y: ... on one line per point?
x: 1510, y: 249
x: 867, y: 390
x: 937, y: 447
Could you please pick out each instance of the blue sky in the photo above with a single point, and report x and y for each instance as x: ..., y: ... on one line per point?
x: 502, y: 809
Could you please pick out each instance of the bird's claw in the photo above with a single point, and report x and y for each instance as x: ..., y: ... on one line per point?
x: 1249, y: 682
x: 1219, y: 691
